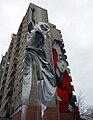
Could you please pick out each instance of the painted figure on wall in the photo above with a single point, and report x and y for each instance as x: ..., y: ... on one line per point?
x: 64, y: 87
x: 37, y: 63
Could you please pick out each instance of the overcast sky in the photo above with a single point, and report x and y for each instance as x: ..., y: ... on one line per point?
x: 75, y: 20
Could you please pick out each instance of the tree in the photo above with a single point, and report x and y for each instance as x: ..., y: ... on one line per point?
x: 89, y: 113
x: 86, y: 111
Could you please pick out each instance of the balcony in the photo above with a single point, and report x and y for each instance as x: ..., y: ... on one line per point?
x: 6, y: 101
x: 6, y: 110
x: 10, y: 90
x: 63, y: 50
x: 1, y: 95
x: 7, y: 94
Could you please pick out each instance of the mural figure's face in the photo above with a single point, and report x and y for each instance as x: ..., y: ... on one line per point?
x: 43, y: 28
x: 61, y: 65
x: 38, y: 34
x: 57, y: 47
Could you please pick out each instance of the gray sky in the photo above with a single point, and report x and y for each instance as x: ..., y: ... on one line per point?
x: 75, y: 19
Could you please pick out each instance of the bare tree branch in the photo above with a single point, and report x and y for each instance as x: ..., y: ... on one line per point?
x: 86, y: 111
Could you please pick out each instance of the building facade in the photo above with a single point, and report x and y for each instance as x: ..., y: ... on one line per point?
x: 40, y: 43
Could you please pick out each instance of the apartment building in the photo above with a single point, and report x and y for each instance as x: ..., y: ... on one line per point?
x: 12, y: 71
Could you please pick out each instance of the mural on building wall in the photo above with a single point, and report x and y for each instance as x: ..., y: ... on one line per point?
x: 64, y: 87
x: 36, y: 63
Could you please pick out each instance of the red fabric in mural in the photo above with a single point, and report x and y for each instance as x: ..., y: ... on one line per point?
x: 63, y: 94
x: 55, y: 58
x: 66, y: 83
x: 65, y: 91
x: 66, y: 80
x: 63, y: 107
